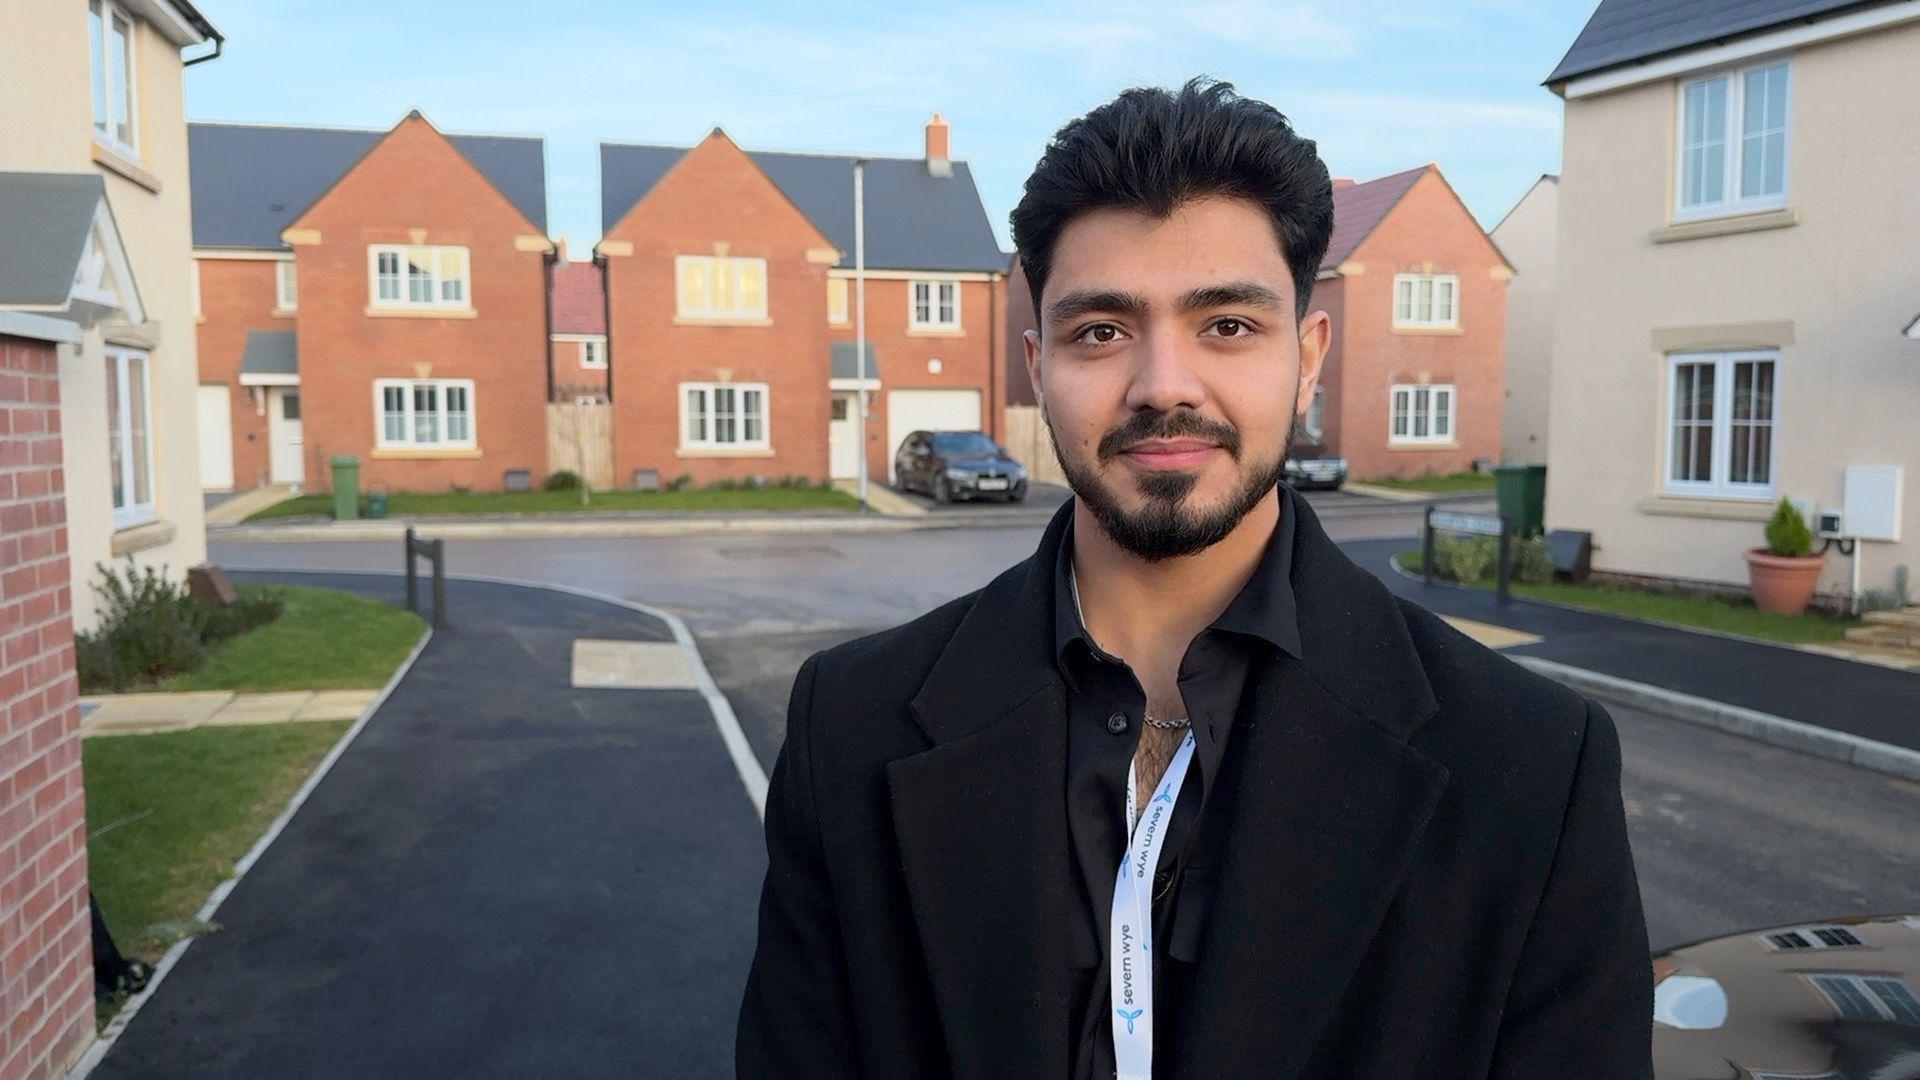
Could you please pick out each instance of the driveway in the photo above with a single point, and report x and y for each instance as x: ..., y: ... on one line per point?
x: 501, y: 876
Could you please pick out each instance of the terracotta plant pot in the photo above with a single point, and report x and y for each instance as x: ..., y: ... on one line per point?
x: 1783, y: 584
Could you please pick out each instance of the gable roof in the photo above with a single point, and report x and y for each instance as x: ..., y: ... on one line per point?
x: 1625, y: 31
x: 915, y: 220
x: 1359, y: 208
x: 62, y: 247
x: 579, y: 300
x: 252, y: 181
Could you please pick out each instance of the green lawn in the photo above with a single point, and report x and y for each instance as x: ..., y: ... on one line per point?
x: 1438, y: 485
x: 169, y: 814
x: 408, y: 504
x: 324, y: 640
x: 1693, y: 611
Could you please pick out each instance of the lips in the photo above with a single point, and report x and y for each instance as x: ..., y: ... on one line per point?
x: 1170, y: 453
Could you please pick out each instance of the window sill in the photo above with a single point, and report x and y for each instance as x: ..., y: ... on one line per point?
x: 1394, y: 447
x: 724, y: 452
x: 1418, y: 331
x: 419, y: 313
x: 701, y: 320
x: 936, y: 331
x: 147, y: 534
x: 1701, y: 228
x: 423, y: 453
x: 284, y: 312
x: 1724, y: 508
x: 116, y: 162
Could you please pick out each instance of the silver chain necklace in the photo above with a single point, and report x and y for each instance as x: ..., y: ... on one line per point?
x: 1164, y: 723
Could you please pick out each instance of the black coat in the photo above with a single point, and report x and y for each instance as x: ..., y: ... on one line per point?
x: 1425, y: 873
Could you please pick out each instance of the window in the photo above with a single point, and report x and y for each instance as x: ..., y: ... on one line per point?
x: 1733, y: 142
x: 129, y: 441
x: 593, y: 354
x: 197, y: 312
x: 1720, y: 436
x: 712, y: 287
x: 1426, y: 300
x: 1868, y: 997
x: 424, y: 412
x: 286, y: 286
x: 1422, y: 414
x: 1814, y: 937
x: 1317, y: 411
x: 837, y: 300
x: 730, y: 415
x: 418, y: 277
x: 110, y: 50
x: 935, y: 305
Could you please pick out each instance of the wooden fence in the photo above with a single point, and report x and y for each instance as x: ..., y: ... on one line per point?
x: 1028, y: 440
x: 580, y: 438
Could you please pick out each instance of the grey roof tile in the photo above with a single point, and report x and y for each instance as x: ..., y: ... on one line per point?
x: 915, y: 221
x: 271, y: 352
x: 45, y: 219
x: 1624, y: 31
x: 252, y: 181
x: 843, y: 361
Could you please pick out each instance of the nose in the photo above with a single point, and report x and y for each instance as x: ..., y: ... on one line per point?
x: 1166, y: 373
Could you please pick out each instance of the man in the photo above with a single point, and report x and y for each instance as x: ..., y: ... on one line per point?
x: 1187, y: 793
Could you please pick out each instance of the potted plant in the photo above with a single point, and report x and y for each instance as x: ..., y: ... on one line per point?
x: 1783, y: 574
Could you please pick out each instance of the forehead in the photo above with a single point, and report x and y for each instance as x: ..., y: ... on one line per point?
x: 1206, y: 240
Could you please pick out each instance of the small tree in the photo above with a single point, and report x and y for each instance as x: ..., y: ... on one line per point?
x: 1787, y: 533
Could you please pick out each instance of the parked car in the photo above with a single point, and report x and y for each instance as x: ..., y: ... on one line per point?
x: 956, y: 465
x: 1832, y: 999
x: 1310, y: 466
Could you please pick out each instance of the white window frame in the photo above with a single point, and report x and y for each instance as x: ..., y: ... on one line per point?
x: 409, y: 414
x: 706, y: 440
x: 132, y: 513
x: 1412, y: 321
x: 1810, y: 938
x: 838, y: 305
x: 435, y: 279
x: 1432, y: 413
x: 734, y: 263
x: 934, y: 304
x: 1733, y: 152
x: 589, y: 347
x: 121, y: 89
x: 1717, y: 486
x: 286, y: 286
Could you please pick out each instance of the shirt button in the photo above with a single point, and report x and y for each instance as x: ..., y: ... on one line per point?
x: 1117, y: 723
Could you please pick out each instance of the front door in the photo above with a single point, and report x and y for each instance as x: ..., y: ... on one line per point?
x: 843, y: 438
x: 216, y: 437
x: 284, y: 456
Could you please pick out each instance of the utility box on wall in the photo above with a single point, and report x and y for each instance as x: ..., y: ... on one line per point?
x: 1871, y: 500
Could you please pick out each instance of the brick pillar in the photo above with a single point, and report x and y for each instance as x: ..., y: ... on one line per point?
x: 46, y: 958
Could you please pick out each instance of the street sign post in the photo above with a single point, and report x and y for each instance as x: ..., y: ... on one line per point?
x: 1473, y: 525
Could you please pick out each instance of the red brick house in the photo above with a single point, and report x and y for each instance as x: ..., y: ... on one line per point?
x: 376, y: 294
x: 732, y: 308
x: 1418, y: 294
x: 580, y: 367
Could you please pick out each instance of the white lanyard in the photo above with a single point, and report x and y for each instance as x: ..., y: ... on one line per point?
x: 1130, y: 961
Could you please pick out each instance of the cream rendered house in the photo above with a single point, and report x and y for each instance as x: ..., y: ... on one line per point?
x: 94, y: 104
x: 1526, y: 237
x: 1738, y: 247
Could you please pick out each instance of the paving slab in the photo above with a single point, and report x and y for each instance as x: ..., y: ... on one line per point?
x: 276, y: 707
x: 156, y: 710
x: 631, y: 665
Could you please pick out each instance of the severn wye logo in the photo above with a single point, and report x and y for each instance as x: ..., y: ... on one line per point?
x: 1129, y: 1017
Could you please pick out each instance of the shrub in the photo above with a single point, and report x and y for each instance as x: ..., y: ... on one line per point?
x: 1787, y: 533
x: 254, y: 608
x: 562, y: 480
x: 681, y: 482
x: 1474, y: 559
x: 148, y: 627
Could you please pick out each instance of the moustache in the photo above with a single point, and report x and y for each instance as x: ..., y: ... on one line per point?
x: 1168, y: 425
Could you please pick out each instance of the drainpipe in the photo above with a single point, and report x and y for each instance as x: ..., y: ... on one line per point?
x: 606, y: 308
x: 546, y: 273
x: 993, y: 358
x: 206, y: 29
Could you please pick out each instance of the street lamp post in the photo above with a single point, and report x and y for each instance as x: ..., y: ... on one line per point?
x: 860, y: 312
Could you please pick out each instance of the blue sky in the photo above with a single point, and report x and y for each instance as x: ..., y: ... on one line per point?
x: 1382, y: 85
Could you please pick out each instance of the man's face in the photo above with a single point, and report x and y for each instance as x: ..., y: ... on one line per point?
x: 1170, y: 368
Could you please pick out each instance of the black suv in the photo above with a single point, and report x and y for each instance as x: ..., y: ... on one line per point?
x: 955, y: 465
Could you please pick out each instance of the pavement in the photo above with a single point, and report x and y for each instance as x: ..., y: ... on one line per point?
x: 1863, y: 700
x: 504, y: 874
x: 148, y: 712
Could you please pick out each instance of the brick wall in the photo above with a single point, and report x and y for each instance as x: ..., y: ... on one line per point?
x: 46, y: 962
x: 238, y: 295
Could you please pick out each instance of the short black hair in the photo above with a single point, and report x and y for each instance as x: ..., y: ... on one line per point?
x: 1152, y: 150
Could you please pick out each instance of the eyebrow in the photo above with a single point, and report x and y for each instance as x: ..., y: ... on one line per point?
x: 1225, y: 294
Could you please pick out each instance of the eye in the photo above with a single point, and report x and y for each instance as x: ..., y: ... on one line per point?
x: 1231, y: 327
x: 1098, y: 334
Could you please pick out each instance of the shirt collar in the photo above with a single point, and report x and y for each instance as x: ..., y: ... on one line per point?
x: 1264, y: 608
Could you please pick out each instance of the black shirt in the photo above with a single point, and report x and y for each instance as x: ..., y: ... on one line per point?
x: 1105, y: 703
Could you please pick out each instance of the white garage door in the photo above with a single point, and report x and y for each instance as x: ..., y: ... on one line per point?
x: 909, y: 411
x: 216, y: 438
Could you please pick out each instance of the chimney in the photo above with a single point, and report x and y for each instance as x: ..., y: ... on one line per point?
x: 939, y: 159
x: 561, y: 256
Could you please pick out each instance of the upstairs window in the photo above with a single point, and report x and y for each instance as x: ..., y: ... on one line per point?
x: 935, y: 305
x: 418, y: 277
x: 286, y: 288
x: 716, y: 287
x: 837, y: 301
x: 110, y: 39
x: 1733, y: 142
x: 1426, y: 301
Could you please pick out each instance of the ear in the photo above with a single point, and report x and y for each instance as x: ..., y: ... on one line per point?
x: 1031, y: 339
x: 1316, y: 334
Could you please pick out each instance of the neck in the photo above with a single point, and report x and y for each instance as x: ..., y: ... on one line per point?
x: 1138, y: 609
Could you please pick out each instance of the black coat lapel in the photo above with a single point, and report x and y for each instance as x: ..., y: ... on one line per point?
x: 1328, y: 803
x: 981, y: 823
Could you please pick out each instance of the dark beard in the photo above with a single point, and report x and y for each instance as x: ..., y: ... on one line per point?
x: 1163, y: 529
